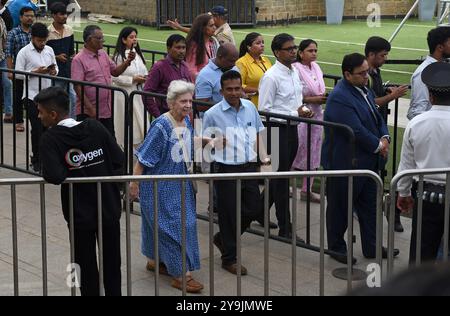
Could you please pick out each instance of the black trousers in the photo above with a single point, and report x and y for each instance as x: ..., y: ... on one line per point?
x: 17, y: 101
x: 279, y: 188
x: 364, y: 203
x: 36, y: 128
x: 432, y: 231
x: 226, y: 196
x: 86, y: 258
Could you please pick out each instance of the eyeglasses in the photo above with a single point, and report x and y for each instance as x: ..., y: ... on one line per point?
x: 99, y: 38
x: 290, y: 49
x: 29, y: 15
x: 364, y: 73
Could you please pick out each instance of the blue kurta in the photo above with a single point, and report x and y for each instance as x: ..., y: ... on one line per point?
x: 156, y: 156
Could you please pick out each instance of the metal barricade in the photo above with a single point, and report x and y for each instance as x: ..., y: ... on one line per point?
x: 18, y: 159
x: 419, y: 177
x: 184, y: 180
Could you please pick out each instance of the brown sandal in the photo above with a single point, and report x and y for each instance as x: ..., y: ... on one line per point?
x: 20, y: 128
x: 192, y: 286
x: 8, y: 119
x: 162, y: 268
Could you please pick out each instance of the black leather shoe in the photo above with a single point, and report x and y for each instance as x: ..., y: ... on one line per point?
x: 217, y: 241
x: 384, y: 253
x: 342, y: 258
x: 398, y: 227
x: 289, y: 236
x: 36, y: 166
x: 272, y: 225
x: 232, y: 268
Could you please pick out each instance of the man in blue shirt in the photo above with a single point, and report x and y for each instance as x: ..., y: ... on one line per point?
x: 207, y: 84
x: 238, y: 121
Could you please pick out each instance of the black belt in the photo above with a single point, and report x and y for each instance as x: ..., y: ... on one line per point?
x: 241, y: 166
x: 433, y: 193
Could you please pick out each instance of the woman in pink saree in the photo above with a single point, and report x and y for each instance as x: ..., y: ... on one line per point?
x: 311, y: 77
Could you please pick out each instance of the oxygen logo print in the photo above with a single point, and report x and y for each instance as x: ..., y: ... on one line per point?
x: 73, y: 158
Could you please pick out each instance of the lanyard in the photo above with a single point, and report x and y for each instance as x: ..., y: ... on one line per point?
x: 263, y: 68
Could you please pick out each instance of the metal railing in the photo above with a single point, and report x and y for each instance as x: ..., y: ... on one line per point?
x: 110, y: 49
x: 419, y: 210
x: 155, y: 55
x: 240, y: 12
x: 25, y: 76
x: 184, y: 179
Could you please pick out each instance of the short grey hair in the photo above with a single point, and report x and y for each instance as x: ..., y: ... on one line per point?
x: 89, y: 31
x: 177, y: 88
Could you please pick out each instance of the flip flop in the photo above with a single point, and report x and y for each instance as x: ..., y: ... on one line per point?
x: 8, y: 119
x: 20, y: 128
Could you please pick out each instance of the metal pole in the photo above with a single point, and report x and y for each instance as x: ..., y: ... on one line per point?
x: 350, y: 234
x: 211, y: 236
x: 294, y: 239
x: 379, y: 237
x: 128, y: 238
x: 446, y: 217
x: 266, y: 236
x: 14, y: 240
x: 322, y: 236
x: 44, y: 242
x: 308, y: 186
x: 100, y: 237
x: 238, y: 236
x: 155, y: 235
x: 394, y: 150
x: 404, y: 21
x: 183, y: 235
x: 72, y: 238
x: 419, y: 221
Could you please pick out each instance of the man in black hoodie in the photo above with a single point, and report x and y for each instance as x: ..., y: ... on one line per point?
x: 84, y: 149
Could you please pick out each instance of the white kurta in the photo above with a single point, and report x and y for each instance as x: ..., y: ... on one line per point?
x: 125, y: 81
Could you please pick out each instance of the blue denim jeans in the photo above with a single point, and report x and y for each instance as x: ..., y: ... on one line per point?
x: 7, y: 89
x: 72, y: 95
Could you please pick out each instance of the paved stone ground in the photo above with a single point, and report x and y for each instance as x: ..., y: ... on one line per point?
x: 280, y: 264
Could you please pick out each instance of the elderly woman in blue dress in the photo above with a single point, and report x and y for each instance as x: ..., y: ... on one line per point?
x: 169, y: 135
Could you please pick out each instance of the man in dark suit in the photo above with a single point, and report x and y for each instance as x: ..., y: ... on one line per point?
x: 352, y: 104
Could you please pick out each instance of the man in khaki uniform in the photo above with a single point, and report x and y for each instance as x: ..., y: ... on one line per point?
x: 223, y: 33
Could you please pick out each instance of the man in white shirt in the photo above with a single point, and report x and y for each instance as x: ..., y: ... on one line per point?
x: 280, y: 92
x: 37, y: 58
x: 425, y: 147
x: 439, y: 44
